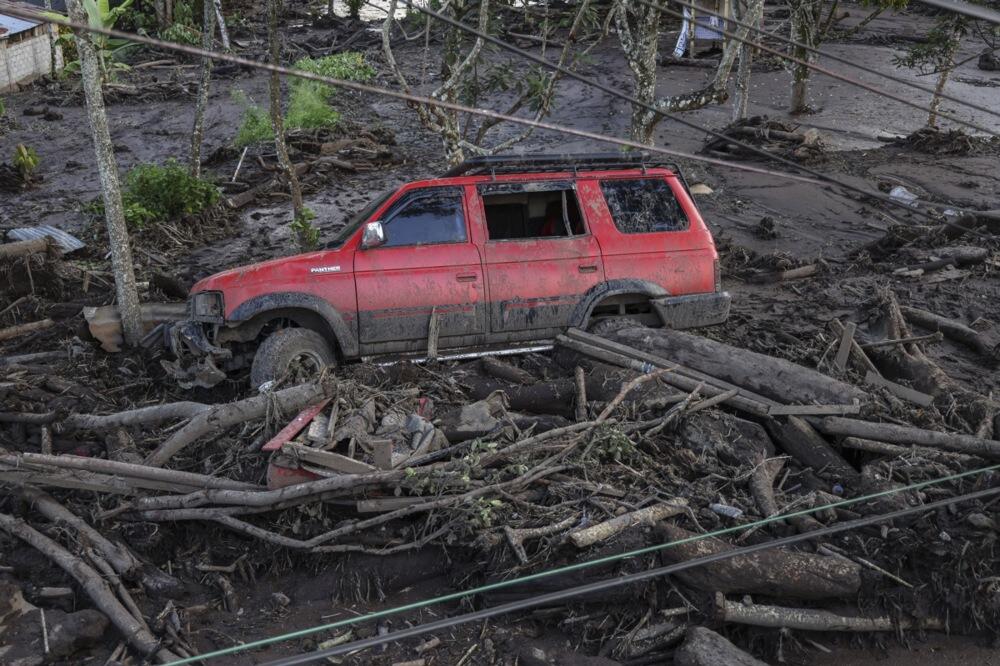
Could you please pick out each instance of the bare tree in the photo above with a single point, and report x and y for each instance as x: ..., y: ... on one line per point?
x: 107, y: 168
x: 277, y: 119
x: 464, y: 81
x: 198, y: 131
x: 807, y: 30
x: 744, y: 67
x: 936, y: 55
x: 638, y: 27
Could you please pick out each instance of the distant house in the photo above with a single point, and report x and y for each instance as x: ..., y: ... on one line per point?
x: 25, y: 53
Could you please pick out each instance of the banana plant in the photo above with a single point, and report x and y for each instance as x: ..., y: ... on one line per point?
x: 100, y: 14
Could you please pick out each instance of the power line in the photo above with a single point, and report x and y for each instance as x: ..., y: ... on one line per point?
x: 489, y: 587
x: 611, y: 583
x: 966, y: 9
x: 840, y: 59
x: 818, y: 68
x: 687, y: 123
x: 409, y: 97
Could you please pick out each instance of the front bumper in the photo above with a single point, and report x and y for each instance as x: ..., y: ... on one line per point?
x: 197, y: 357
x: 694, y: 310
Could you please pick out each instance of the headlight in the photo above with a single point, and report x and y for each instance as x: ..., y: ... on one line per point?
x: 207, y: 306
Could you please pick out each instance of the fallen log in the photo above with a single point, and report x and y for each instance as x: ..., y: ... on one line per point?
x: 588, y: 536
x: 801, y: 441
x: 981, y: 342
x: 897, y: 434
x: 680, y: 377
x: 704, y: 647
x: 220, y: 417
x: 25, y: 248
x: 94, y: 585
x: 772, y: 377
x: 118, y: 556
x: 778, y: 573
x: 23, y: 329
x: 497, y: 368
x: 142, y: 416
x: 123, y: 470
x: 811, y: 619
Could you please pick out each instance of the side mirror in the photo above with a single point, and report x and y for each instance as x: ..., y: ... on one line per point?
x: 373, y: 235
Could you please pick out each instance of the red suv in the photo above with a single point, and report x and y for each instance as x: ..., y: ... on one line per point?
x: 499, y: 253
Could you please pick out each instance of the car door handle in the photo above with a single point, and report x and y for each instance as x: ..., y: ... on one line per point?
x: 587, y: 268
x: 470, y: 277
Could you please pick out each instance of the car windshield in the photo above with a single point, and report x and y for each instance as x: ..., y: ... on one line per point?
x: 352, y: 225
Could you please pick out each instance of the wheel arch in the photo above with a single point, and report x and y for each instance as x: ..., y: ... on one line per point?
x: 608, y: 289
x: 305, y: 310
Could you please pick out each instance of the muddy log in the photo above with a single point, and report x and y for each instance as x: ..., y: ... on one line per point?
x: 775, y: 378
x: 897, y: 434
x: 801, y: 441
x: 224, y: 416
x: 704, y: 647
x: 23, y: 329
x: 811, y: 619
x: 25, y: 248
x: 777, y: 573
x: 588, y: 536
x: 983, y: 343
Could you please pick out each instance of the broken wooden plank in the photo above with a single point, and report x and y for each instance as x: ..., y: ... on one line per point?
x: 860, y: 358
x: 433, y: 328
x: 783, y: 276
x: 813, y: 410
x: 381, y: 452
x: 328, y: 459
x: 844, y: 351
x: 900, y: 391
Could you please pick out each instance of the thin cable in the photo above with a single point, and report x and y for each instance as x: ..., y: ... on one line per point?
x: 611, y: 583
x: 841, y: 59
x: 959, y: 7
x: 409, y: 97
x: 815, y: 67
x: 687, y: 123
x: 454, y: 596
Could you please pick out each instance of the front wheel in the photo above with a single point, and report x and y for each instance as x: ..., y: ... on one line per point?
x: 299, y: 353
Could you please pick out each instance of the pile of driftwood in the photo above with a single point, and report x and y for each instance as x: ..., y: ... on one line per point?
x: 631, y: 438
x: 773, y: 136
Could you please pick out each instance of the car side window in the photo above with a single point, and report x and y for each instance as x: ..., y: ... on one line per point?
x: 643, y: 205
x: 539, y: 210
x: 425, y: 217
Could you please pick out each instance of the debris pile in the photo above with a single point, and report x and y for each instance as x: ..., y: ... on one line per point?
x: 778, y: 137
x: 617, y: 441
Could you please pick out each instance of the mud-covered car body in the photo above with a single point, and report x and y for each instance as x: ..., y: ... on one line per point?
x: 500, y: 252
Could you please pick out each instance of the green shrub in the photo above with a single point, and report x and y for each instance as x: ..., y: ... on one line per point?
x: 155, y: 193
x: 307, y: 233
x: 308, y: 107
x: 180, y: 33
x: 308, y: 102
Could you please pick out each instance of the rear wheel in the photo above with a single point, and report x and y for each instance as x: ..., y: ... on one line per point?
x: 299, y: 353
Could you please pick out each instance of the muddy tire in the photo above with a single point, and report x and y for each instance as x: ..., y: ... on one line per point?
x: 608, y: 325
x: 300, y: 352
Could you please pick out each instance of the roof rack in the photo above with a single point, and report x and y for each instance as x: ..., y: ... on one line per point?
x: 494, y: 164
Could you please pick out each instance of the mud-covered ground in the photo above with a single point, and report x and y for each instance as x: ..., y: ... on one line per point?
x: 811, y: 224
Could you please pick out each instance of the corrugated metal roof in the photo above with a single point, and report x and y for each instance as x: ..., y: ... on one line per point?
x: 11, y: 26
x: 65, y: 242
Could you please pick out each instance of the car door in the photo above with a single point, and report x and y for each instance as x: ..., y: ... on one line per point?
x: 427, y: 264
x: 540, y: 256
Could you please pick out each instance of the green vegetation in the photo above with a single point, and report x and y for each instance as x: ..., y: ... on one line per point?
x: 307, y: 233
x: 255, y: 126
x: 183, y: 29
x: 309, y: 101
x: 25, y: 160
x: 101, y: 15
x: 155, y: 193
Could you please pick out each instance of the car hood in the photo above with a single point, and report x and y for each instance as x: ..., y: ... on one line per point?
x: 281, y: 270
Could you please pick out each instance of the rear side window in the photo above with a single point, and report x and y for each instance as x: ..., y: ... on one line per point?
x: 643, y: 205
x: 426, y: 217
x: 531, y: 210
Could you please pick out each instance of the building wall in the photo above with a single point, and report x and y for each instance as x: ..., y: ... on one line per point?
x: 25, y: 57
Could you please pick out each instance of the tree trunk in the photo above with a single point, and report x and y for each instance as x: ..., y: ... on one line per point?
x: 207, y: 31
x: 53, y: 32
x: 107, y: 167
x: 221, y: 19
x: 943, y: 80
x: 277, y: 120
x: 805, y: 19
